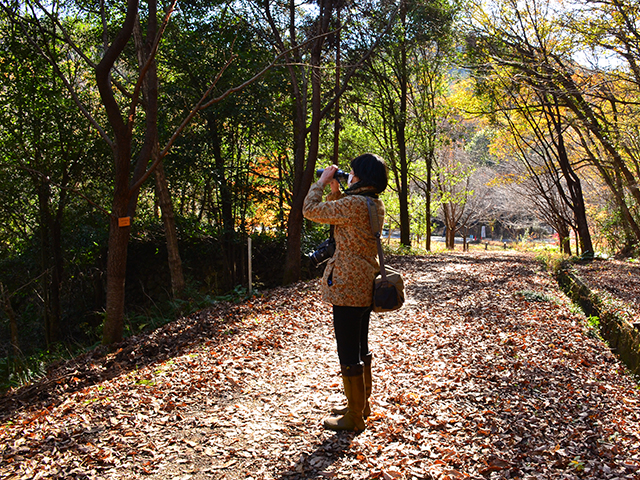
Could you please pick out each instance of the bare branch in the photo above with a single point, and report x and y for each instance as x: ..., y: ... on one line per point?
x: 201, y: 105
x: 356, y: 66
x: 147, y: 65
x: 182, y: 126
x: 65, y: 35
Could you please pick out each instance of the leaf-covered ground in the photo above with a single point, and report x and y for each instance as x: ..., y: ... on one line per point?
x: 616, y: 282
x: 485, y: 373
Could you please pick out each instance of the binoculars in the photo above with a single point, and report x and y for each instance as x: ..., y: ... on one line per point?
x: 339, y: 175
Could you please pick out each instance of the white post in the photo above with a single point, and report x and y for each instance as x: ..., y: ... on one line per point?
x: 249, y: 264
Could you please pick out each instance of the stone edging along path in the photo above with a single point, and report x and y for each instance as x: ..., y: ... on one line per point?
x: 622, y: 336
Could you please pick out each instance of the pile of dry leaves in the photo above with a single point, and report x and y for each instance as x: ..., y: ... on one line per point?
x: 485, y: 373
x: 617, y: 282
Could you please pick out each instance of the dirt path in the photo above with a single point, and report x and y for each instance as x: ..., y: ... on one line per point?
x: 485, y: 373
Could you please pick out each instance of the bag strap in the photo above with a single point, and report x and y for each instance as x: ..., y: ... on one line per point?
x: 375, y: 229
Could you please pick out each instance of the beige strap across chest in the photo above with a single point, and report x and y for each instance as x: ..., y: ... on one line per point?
x: 375, y: 229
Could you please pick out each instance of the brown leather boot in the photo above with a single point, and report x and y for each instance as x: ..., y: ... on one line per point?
x: 353, y: 380
x: 367, y: 390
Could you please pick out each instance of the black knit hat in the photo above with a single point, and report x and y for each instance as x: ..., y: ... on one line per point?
x: 371, y: 170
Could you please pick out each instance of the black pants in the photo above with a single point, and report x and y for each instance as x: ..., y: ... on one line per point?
x: 351, y: 326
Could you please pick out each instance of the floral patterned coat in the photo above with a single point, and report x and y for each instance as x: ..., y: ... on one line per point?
x: 349, y: 274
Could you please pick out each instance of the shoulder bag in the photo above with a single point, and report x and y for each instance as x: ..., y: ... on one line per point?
x: 388, y: 287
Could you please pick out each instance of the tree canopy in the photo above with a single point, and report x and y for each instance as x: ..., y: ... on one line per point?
x: 142, y: 143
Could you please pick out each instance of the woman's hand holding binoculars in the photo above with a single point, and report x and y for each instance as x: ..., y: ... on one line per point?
x: 328, y: 177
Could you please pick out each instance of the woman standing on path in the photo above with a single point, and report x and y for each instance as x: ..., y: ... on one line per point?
x: 348, y: 277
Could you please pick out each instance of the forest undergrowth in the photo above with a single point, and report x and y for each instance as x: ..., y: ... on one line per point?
x: 487, y: 372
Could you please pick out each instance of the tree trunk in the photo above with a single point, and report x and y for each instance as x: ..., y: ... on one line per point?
x: 304, y: 172
x: 403, y: 194
x: 170, y: 231
x: 57, y: 266
x: 150, y: 89
x: 428, y: 202
x: 427, y: 216
x: 13, y: 324
x: 465, y: 244
x: 281, y: 192
x: 564, y: 237
x: 336, y: 120
x: 450, y: 239
x: 292, y: 266
x: 118, y: 236
x: 225, y: 203
x: 51, y: 257
x: 226, y: 196
x: 582, y: 109
x: 293, y: 263
x: 615, y: 184
x: 629, y: 225
x: 45, y: 258
x: 116, y: 273
x: 299, y: 90
x: 575, y: 188
x: 450, y: 226
x: 294, y: 231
